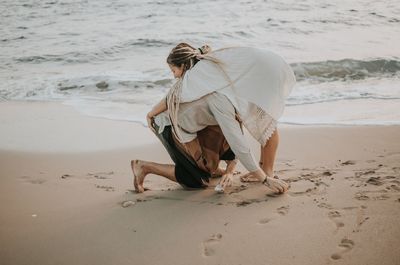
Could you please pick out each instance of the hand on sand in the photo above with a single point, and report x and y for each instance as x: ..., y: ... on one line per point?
x: 226, y: 180
x: 277, y: 185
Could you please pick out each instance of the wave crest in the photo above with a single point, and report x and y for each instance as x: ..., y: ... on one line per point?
x: 346, y: 69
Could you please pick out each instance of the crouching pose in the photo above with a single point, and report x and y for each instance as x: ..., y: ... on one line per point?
x: 230, y: 88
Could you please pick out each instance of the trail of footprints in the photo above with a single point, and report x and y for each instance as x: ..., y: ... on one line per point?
x: 98, y: 176
x: 381, y: 176
x: 365, y: 177
x: 346, y: 244
x: 375, y: 177
x: 210, y: 245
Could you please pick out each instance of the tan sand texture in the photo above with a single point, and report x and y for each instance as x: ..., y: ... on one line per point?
x: 66, y: 197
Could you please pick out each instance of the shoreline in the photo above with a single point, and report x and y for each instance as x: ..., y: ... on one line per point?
x: 52, y: 124
x: 292, y: 109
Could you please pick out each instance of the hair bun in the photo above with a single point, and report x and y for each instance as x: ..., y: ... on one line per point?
x: 205, y: 49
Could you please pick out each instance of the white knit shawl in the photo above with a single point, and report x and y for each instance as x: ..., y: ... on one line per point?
x: 258, y: 76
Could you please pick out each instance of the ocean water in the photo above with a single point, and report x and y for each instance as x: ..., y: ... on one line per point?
x: 346, y: 54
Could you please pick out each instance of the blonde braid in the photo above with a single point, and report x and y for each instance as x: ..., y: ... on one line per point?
x: 173, y: 101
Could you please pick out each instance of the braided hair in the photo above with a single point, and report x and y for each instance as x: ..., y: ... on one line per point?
x: 186, y: 55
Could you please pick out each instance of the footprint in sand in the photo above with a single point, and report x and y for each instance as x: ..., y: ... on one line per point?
x: 32, y: 180
x: 106, y: 188
x: 128, y: 203
x: 375, y: 181
x: 346, y: 245
x: 264, y: 221
x: 361, y: 196
x: 348, y: 162
x: 37, y: 181
x: 283, y: 210
x: 323, y: 205
x: 334, y: 216
x: 238, y: 189
x: 247, y: 202
x: 101, y: 175
x: 364, y: 173
x: 210, y: 244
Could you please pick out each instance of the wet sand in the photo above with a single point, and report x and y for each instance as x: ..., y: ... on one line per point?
x: 66, y: 197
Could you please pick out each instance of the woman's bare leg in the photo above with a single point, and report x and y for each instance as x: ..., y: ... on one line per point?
x: 267, y: 158
x: 268, y: 153
x: 141, y: 168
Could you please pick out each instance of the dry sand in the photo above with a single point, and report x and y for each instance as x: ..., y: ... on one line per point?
x: 66, y: 197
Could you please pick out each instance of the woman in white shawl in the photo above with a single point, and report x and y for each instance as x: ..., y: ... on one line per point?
x: 232, y: 87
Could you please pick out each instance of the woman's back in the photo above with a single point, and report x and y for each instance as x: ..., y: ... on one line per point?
x: 255, y: 75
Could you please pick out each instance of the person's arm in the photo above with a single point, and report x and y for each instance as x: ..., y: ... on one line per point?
x: 224, y: 113
x: 230, y: 167
x: 157, y: 109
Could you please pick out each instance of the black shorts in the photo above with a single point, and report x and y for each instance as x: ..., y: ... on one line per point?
x: 187, y: 173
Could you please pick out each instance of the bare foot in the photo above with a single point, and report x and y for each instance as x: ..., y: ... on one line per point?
x: 138, y: 175
x: 249, y: 178
x: 219, y: 172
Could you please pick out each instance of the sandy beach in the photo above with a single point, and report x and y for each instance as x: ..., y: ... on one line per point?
x: 66, y: 197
